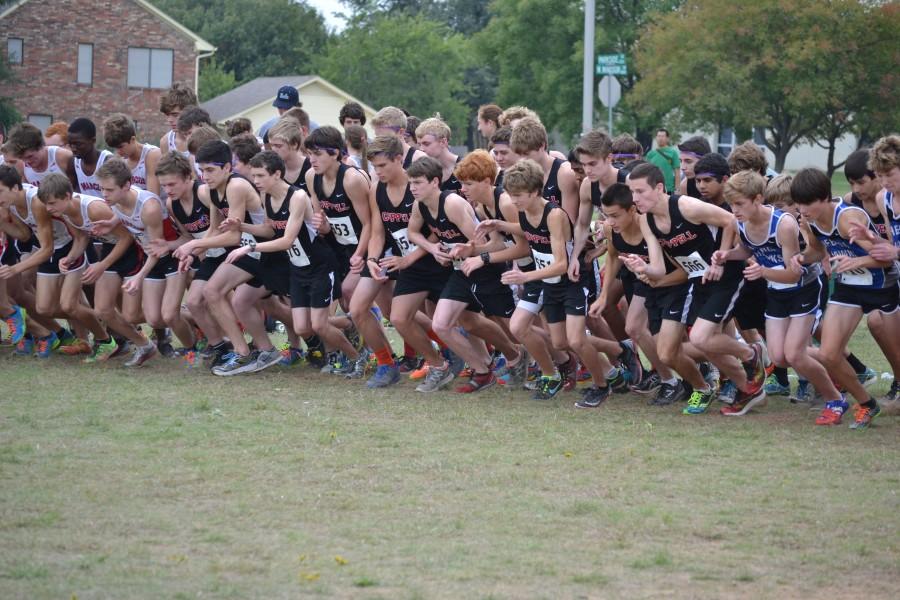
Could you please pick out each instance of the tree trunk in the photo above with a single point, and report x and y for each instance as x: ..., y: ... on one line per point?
x: 780, y: 151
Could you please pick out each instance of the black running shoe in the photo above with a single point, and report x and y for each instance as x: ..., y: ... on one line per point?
x: 649, y: 384
x: 669, y: 394
x: 593, y: 397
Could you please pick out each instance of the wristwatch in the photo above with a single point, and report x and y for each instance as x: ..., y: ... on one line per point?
x: 486, y: 258
x: 252, y: 246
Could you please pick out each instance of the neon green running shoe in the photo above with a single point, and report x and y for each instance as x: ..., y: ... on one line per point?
x: 698, y: 402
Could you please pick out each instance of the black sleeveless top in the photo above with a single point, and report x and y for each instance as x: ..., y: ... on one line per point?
x: 222, y: 203
x: 300, y: 182
x: 279, y: 219
x: 408, y: 159
x: 452, y: 184
x: 877, y: 220
x: 639, y: 249
x: 538, y: 238
x: 197, y: 222
x: 691, y: 245
x: 551, y: 191
x: 692, y: 189
x: 395, y: 219
x: 345, y: 224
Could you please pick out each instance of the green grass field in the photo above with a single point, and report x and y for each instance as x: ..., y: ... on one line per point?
x: 174, y: 483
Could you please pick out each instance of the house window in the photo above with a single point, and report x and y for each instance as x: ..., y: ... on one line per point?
x: 15, y: 50
x: 726, y: 141
x: 40, y: 121
x: 85, y: 64
x: 759, y: 136
x: 150, y: 67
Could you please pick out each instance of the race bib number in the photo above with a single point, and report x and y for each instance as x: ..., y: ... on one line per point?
x: 297, y: 255
x: 780, y: 286
x: 457, y: 262
x: 246, y: 238
x: 693, y: 264
x: 522, y: 262
x: 543, y: 260
x: 859, y: 276
x: 403, y: 242
x: 342, y: 228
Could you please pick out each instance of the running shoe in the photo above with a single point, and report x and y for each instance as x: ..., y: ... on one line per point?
x: 477, y: 383
x: 408, y: 364
x: 631, y: 360
x: 141, y: 354
x: 123, y: 346
x: 669, y: 393
x: 894, y: 393
x: 435, y: 378
x: 316, y: 359
x: 25, y: 347
x: 619, y: 381
x: 342, y: 365
x: 46, y: 345
x: 774, y: 388
x: 330, y: 359
x: 833, y: 413
x: 729, y: 392
x: 567, y: 374
x: 548, y: 388
x: 65, y: 338
x: 15, y: 322
x: 361, y: 365
x: 756, y: 373
x: 291, y: 356
x: 420, y: 373
x: 267, y: 358
x: 457, y: 364
x: 649, y: 384
x: 102, y: 351
x: 218, y: 355
x: 384, y: 376
x: 515, y: 375
x: 868, y: 377
x: 78, y: 347
x: 698, y: 402
x: 864, y: 416
x: 237, y: 364
x: 582, y: 374
x: 711, y: 375
x: 742, y: 404
x: 804, y: 393
x: 593, y: 397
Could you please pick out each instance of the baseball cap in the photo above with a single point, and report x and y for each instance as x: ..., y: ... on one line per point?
x: 287, y: 97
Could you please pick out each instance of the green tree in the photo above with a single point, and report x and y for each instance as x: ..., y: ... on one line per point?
x: 214, y: 80
x: 262, y: 38
x: 8, y: 113
x: 773, y: 63
x: 410, y: 62
x: 463, y: 16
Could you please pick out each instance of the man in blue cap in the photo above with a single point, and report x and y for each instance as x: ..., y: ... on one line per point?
x: 287, y: 98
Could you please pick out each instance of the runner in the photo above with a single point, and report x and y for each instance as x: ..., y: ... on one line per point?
x: 171, y: 104
x: 37, y: 160
x: 452, y: 220
x: 434, y: 140
x: 772, y: 240
x: 237, y: 204
x: 82, y: 170
x: 622, y: 232
x: 686, y: 227
x: 119, y: 134
x: 863, y: 285
x: 390, y: 120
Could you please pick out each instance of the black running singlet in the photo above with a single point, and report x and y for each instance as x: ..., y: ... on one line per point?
x: 396, y: 219
x: 345, y: 224
x: 538, y: 238
x: 551, y: 191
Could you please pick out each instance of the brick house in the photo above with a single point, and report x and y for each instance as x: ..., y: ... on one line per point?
x: 90, y: 58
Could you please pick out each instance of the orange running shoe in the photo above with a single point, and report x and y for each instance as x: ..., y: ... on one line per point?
x: 79, y: 346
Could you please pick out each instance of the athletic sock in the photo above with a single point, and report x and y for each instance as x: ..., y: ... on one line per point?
x: 384, y: 356
x: 871, y: 403
x: 781, y: 375
x: 434, y: 337
x: 857, y: 364
x: 408, y: 351
x: 313, y: 343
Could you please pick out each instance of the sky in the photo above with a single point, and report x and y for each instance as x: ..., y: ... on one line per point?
x: 327, y: 8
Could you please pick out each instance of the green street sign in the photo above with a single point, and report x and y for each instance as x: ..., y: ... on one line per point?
x: 611, y: 64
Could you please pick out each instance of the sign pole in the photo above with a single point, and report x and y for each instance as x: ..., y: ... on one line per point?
x: 609, y: 91
x: 587, y: 92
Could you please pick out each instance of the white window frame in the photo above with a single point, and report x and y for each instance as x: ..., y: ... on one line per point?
x: 145, y: 80
x: 21, y: 51
x: 81, y: 77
